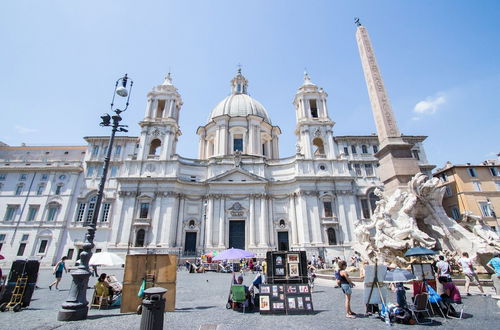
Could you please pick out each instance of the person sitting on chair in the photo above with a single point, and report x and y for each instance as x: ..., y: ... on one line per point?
x: 248, y: 302
x: 450, y: 294
x: 102, y: 288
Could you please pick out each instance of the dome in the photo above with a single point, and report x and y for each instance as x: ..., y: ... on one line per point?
x: 239, y: 103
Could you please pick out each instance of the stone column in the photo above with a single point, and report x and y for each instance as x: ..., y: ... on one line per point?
x: 262, y: 222
x: 180, y: 221
x: 316, y: 221
x: 148, y: 109
x: 160, y: 233
x: 155, y: 221
x: 129, y: 216
x: 251, y: 226
x: 303, y: 220
x: 201, y: 240
x: 222, y: 218
x: 169, y: 218
x: 116, y: 219
x: 209, y: 222
x: 270, y: 224
x: 293, y: 221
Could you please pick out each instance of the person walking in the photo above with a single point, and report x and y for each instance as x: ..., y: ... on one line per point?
x: 346, y: 284
x: 494, y: 265
x: 444, y: 270
x: 470, y: 274
x: 58, y: 271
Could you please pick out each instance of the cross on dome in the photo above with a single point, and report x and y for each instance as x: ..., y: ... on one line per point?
x: 239, y: 84
x: 168, y: 80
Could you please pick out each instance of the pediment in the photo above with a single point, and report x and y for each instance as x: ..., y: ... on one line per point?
x: 237, y: 175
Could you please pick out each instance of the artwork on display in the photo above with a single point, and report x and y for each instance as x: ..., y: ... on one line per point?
x: 307, y: 298
x: 278, y: 305
x: 281, y: 288
x: 275, y: 290
x: 370, y: 273
x: 265, y: 289
x: 291, y: 303
x: 309, y: 306
x: 300, y: 303
x: 291, y: 289
x: 422, y: 271
x: 293, y: 258
x: 279, y: 261
x: 279, y: 271
x: 304, y: 288
x: 264, y: 303
x: 282, y: 296
x: 293, y: 270
x: 377, y: 297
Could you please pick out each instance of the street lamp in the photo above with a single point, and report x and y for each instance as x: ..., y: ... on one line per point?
x: 493, y: 214
x: 75, y: 307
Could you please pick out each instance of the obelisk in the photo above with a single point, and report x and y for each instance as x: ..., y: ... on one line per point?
x: 397, y: 166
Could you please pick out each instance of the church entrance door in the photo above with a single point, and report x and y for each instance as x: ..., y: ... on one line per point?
x: 237, y: 234
x: 190, y: 244
x: 283, y: 240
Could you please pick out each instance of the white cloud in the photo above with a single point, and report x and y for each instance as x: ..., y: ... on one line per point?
x: 430, y: 105
x: 24, y: 130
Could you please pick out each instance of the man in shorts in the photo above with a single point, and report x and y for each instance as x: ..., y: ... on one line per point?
x: 470, y: 274
x: 494, y: 265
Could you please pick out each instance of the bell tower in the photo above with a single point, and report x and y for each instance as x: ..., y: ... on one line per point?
x: 160, y: 126
x: 314, y: 126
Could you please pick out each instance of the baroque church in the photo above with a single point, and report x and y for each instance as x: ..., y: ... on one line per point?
x: 239, y: 192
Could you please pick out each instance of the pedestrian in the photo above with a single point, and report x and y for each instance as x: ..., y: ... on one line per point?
x: 94, y: 271
x: 58, y: 271
x: 314, y: 261
x: 494, y: 264
x: 470, y: 274
x: 444, y: 270
x: 346, y: 284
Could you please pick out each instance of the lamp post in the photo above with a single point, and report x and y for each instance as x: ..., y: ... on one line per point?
x: 75, y: 307
x: 494, y: 215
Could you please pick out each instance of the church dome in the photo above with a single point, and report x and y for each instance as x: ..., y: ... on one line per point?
x: 239, y: 103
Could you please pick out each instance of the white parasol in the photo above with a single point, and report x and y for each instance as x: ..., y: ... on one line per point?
x: 106, y: 259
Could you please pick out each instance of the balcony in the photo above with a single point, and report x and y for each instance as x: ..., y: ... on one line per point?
x: 330, y: 220
x: 142, y: 222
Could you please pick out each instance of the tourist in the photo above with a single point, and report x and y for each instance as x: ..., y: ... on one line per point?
x: 450, y: 294
x: 103, y: 289
x: 444, y: 270
x: 494, y: 265
x: 311, y: 274
x: 314, y: 261
x: 58, y: 271
x: 346, y: 284
x: 470, y: 274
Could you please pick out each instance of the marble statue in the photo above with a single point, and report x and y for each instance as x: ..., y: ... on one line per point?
x: 415, y: 217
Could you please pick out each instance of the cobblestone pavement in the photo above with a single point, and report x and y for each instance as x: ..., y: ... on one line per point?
x: 201, y: 300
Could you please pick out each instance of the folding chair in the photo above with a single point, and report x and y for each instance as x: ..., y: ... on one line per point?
x: 420, y: 306
x: 238, y: 295
x: 435, y: 299
x: 99, y: 301
x: 454, y: 305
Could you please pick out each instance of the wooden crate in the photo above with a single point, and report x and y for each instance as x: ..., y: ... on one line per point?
x: 137, y: 266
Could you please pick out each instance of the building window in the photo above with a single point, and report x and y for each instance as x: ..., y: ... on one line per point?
x: 95, y: 150
x: 144, y: 211
x: 327, y: 209
x: 472, y: 172
x: 494, y: 171
x: 105, y: 212
x: 105, y: 151
x: 2, y: 239
x: 10, y: 213
x: 477, y: 185
x: 45, y: 177
x: 263, y: 149
x: 332, y: 239
x: 154, y: 147
x: 70, y: 253
x: 19, y: 189
x: 43, y: 245
x: 114, y: 170
x: 22, y: 177
x: 81, y: 212
x: 3, y: 177
x: 357, y: 168
x: 369, y: 169
x: 485, y: 209
x: 415, y: 154
x: 353, y: 149
x: 21, y: 249
x: 100, y: 170
x: 91, y: 209
x: 314, y: 108
x: 320, y: 148
x: 58, y: 189
x: 448, y: 191
x: 349, y: 166
x: 52, y: 213
x: 159, y: 108
x: 32, y: 211
x: 364, y: 149
x: 118, y: 150
x: 90, y: 171
x: 238, y: 144
x: 40, y: 189
x: 346, y: 151
x: 375, y: 149
x: 365, y: 209
x: 455, y: 213
x: 139, y: 238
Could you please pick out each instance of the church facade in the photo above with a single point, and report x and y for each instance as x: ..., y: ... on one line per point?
x: 239, y: 192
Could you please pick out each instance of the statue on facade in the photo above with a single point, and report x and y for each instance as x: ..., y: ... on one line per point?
x: 415, y: 217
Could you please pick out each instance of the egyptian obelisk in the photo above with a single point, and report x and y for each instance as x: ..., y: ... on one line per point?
x: 397, y: 166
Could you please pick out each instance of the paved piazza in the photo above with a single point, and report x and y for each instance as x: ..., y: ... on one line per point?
x: 201, y: 300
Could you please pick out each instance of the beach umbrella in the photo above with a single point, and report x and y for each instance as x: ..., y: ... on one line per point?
x: 419, y: 251
x: 399, y: 275
x: 233, y: 253
x: 106, y: 259
x: 2, y: 257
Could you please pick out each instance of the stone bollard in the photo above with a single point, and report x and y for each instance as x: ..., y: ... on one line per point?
x: 153, y: 307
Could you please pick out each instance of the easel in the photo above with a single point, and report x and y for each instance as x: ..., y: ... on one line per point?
x: 424, y: 286
x: 374, y: 283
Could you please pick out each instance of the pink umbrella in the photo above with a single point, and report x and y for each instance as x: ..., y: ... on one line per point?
x: 232, y: 254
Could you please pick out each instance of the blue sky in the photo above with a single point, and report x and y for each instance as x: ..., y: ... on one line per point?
x: 439, y: 60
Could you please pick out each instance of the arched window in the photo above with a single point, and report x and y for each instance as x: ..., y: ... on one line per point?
x: 332, y: 239
x: 139, y: 238
x: 159, y: 109
x: 368, y: 204
x: 320, y: 148
x: 154, y: 147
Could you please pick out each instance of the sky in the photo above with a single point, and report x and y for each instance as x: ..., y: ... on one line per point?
x: 439, y: 61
